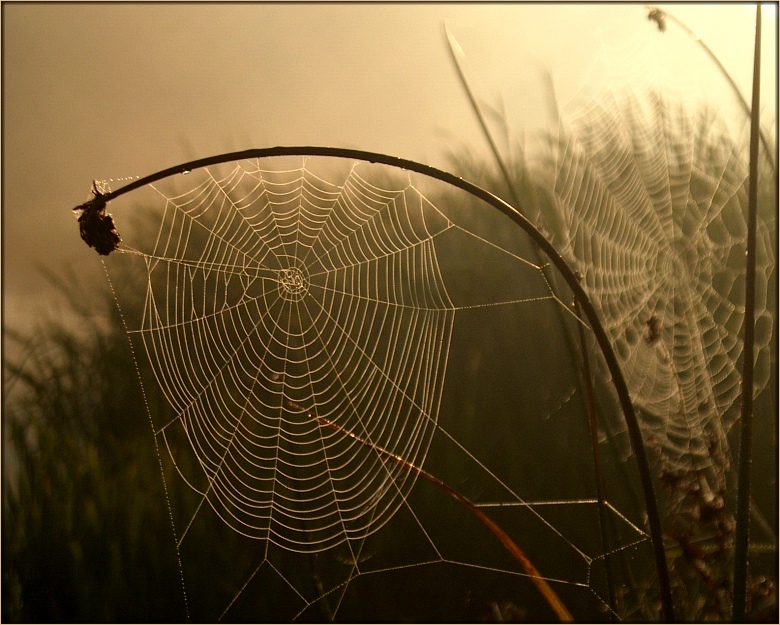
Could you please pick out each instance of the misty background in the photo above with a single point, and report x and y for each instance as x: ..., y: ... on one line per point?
x: 108, y: 91
x: 112, y: 92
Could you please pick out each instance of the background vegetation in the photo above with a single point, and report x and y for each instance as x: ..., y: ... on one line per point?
x: 87, y: 534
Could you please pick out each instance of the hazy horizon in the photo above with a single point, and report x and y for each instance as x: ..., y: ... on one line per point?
x: 116, y: 90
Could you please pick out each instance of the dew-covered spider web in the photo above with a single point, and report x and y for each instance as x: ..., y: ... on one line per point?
x: 642, y: 186
x: 651, y: 197
x: 275, y: 306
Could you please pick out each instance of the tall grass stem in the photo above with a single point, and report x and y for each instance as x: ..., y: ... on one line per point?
x: 742, y: 536
x: 601, y: 490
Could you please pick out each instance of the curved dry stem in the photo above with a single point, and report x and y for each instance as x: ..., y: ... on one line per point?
x: 568, y: 274
x: 659, y: 16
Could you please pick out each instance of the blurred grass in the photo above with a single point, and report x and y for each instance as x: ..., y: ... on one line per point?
x: 83, y: 532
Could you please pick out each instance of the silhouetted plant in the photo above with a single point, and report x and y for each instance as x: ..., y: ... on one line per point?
x: 83, y: 532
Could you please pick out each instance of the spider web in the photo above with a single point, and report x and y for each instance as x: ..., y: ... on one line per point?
x: 284, y: 295
x: 652, y: 203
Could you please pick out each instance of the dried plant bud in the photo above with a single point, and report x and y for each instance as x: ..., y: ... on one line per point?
x: 659, y: 17
x: 96, y: 226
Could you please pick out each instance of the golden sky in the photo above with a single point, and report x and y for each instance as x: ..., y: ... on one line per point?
x: 97, y: 91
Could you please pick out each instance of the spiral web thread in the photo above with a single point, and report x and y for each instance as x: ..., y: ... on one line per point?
x: 278, y: 300
x: 261, y: 355
x: 652, y: 201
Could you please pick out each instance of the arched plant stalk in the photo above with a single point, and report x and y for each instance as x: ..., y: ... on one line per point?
x: 96, y: 207
x: 659, y: 16
x: 742, y: 535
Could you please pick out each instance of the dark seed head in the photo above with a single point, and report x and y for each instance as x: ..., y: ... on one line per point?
x: 97, y: 227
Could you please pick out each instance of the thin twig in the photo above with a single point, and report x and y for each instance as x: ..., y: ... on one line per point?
x: 541, y: 584
x: 594, y: 443
x: 697, y: 38
x: 742, y: 535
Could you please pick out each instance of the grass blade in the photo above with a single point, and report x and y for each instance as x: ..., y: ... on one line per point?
x: 742, y: 536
